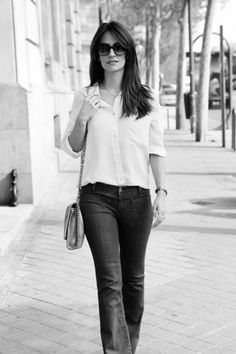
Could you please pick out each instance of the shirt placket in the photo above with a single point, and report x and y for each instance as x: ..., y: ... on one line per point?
x: 116, y: 144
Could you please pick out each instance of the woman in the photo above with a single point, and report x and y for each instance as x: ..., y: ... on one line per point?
x: 125, y: 137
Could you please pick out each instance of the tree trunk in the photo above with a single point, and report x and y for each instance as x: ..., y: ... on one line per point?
x: 147, y: 51
x: 156, y: 52
x: 181, y: 72
x: 204, y: 75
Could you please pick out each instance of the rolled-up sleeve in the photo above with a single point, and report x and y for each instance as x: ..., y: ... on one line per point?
x: 76, y: 106
x: 156, y: 133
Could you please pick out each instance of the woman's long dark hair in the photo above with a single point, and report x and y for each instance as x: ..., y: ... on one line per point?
x: 136, y: 97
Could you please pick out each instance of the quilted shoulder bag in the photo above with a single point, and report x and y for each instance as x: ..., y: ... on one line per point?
x: 73, y: 221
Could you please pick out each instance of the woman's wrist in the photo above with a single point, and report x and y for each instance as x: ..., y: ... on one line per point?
x: 82, y: 119
x: 76, y: 136
x: 161, y: 190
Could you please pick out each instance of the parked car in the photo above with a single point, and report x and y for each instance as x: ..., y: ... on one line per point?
x: 168, y: 94
x: 234, y: 82
x: 214, y: 90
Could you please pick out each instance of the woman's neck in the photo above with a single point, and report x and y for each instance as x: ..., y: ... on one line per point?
x: 112, y: 81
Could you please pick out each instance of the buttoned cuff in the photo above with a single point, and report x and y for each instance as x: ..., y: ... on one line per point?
x: 157, y: 150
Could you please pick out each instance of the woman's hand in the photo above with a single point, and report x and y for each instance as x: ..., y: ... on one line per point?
x: 89, y: 108
x: 159, y: 209
x: 82, y: 114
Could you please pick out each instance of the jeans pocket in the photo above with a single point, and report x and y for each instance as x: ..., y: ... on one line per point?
x: 91, y: 202
x: 142, y: 205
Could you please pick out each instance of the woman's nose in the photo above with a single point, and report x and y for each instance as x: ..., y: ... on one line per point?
x: 112, y: 53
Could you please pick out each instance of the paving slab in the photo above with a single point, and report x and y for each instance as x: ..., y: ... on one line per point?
x: 11, y: 220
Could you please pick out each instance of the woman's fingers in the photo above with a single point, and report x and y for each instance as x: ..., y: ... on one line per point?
x: 158, y: 213
x: 93, y: 99
x: 158, y: 219
x: 90, y: 106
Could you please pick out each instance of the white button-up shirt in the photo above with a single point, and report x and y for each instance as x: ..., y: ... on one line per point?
x: 118, y: 147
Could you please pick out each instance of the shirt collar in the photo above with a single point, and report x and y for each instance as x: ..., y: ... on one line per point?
x: 95, y: 90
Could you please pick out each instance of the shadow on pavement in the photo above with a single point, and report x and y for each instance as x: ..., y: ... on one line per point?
x: 199, y: 229
x: 217, y: 207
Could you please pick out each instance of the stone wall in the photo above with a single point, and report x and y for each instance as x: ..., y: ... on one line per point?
x: 89, y: 24
x: 44, y: 48
x: 14, y: 144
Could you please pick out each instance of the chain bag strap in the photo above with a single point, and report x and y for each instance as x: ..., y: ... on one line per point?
x: 81, y: 167
x: 73, y: 222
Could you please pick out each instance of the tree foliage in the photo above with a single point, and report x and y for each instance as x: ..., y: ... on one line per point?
x: 145, y: 19
x: 158, y: 27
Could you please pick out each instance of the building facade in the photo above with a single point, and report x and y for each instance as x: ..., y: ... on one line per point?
x: 44, y: 46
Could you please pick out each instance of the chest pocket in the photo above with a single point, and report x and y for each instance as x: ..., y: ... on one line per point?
x: 139, y: 131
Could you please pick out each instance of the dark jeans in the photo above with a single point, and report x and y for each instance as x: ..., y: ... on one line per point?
x: 117, y: 225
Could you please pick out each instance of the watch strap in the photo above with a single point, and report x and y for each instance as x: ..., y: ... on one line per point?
x: 160, y: 188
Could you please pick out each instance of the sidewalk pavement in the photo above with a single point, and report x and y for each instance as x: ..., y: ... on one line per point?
x: 11, y: 220
x: 48, y: 301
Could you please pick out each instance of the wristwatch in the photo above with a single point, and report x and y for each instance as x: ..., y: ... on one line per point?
x: 160, y: 188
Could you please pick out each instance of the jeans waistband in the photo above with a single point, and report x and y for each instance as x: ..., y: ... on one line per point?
x: 113, y: 190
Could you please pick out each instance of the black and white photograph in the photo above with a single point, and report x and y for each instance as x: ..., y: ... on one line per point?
x: 117, y: 176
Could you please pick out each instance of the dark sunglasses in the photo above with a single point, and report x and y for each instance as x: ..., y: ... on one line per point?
x: 105, y: 48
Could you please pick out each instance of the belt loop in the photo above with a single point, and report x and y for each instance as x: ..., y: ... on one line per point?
x: 94, y: 187
x: 139, y: 189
